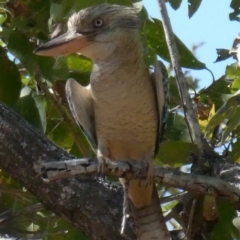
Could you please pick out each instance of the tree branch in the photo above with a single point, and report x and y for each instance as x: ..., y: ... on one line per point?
x: 90, y: 205
x: 169, y: 177
x: 202, y: 165
x: 191, y: 118
x: 24, y: 151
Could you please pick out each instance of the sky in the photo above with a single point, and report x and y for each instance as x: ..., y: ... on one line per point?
x: 210, y: 24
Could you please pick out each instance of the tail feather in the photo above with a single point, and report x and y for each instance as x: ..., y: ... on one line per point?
x: 149, y: 220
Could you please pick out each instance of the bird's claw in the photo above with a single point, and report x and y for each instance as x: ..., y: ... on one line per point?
x: 149, y: 180
x: 102, y: 162
x: 150, y: 175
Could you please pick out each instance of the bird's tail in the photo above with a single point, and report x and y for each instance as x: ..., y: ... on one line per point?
x: 149, y: 219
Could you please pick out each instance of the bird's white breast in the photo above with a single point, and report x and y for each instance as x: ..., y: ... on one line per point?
x: 125, y: 110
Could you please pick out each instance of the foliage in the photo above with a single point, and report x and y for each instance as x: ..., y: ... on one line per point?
x: 24, y: 25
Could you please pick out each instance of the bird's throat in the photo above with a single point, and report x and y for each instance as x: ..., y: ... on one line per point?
x: 122, y: 65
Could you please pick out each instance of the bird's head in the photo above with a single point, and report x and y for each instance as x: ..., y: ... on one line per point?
x: 96, y: 32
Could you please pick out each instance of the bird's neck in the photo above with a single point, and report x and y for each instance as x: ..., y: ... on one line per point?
x: 124, y: 59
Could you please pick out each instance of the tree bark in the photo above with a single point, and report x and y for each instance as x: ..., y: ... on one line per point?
x: 91, y: 205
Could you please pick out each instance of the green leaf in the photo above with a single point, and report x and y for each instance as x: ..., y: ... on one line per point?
x: 227, y: 111
x: 176, y: 128
x: 40, y: 104
x: 210, y: 211
x: 154, y: 33
x: 170, y: 205
x: 10, y: 80
x: 215, y: 91
x: 58, y: 130
x: 31, y: 17
x: 60, y: 134
x: 224, y: 228
x: 60, y: 11
x: 75, y: 151
x: 193, y: 6
x: 235, y: 86
x: 79, y: 63
x: 150, y: 56
x: 226, y: 97
x: 174, y: 153
x: 235, y: 153
x: 78, y: 235
x: 175, y: 99
x: 48, y: 70
x: 19, y: 45
x: 3, y: 17
x: 143, y: 14
x: 26, y: 107
x: 235, y: 5
x: 175, y: 4
x: 223, y: 54
x: 232, y: 71
x: 232, y: 124
x: 39, y: 17
x: 82, y: 78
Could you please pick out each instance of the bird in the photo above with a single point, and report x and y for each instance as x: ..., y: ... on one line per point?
x: 123, y: 111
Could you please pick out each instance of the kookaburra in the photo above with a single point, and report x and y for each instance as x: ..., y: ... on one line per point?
x: 123, y: 112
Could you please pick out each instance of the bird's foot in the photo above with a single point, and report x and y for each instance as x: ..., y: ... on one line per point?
x: 150, y: 175
x: 126, y: 211
x: 102, y: 162
x: 150, y: 172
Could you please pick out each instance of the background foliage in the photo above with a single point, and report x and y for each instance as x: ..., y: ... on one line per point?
x: 34, y: 87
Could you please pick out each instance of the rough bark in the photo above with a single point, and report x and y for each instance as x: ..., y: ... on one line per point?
x: 92, y: 206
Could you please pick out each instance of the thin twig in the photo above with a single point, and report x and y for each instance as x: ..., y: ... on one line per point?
x: 56, y: 126
x: 190, y: 220
x: 177, y: 196
x: 25, y: 211
x: 16, y: 194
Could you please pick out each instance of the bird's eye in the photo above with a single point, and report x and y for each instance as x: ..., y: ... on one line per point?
x: 98, y: 22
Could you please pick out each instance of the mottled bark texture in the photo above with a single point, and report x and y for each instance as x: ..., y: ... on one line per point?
x: 92, y: 206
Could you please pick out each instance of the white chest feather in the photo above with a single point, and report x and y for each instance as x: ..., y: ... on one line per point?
x: 125, y: 110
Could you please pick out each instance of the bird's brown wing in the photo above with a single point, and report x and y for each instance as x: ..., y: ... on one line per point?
x: 80, y: 103
x: 161, y: 90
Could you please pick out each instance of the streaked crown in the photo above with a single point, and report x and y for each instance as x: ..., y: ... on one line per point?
x: 104, y: 17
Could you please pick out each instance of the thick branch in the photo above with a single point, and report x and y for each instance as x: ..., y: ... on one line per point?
x: 91, y: 206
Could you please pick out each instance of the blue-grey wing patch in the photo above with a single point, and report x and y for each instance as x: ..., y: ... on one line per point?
x: 161, y: 89
x: 81, y: 105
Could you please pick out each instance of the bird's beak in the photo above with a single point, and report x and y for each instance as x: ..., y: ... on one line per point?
x: 70, y: 42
